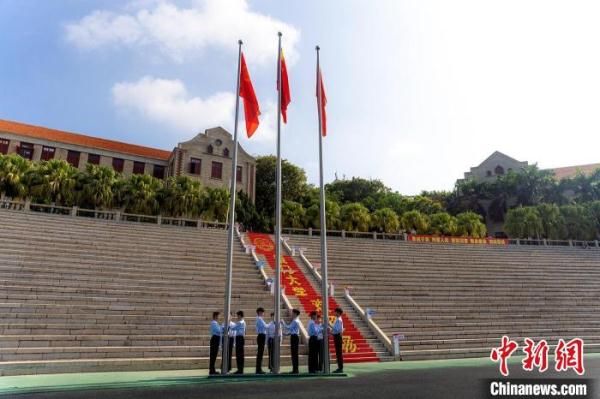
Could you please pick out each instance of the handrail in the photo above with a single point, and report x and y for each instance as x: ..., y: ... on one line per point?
x: 265, y: 277
x: 120, y: 216
x: 372, y: 325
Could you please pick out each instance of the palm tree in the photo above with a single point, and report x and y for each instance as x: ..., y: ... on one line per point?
x: 96, y: 187
x: 216, y: 204
x: 13, y: 169
x: 470, y: 224
x: 415, y: 221
x: 293, y: 214
x: 443, y: 223
x: 181, y: 196
x: 139, y: 194
x: 53, y: 182
x: 355, y: 217
x: 385, y: 220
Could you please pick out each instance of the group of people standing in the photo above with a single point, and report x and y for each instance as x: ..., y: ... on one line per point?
x: 265, y: 336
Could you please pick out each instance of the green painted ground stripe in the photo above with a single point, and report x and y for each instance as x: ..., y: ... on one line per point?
x: 136, y: 379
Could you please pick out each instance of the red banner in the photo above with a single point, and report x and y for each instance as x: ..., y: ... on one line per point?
x: 457, y: 240
x: 295, y: 284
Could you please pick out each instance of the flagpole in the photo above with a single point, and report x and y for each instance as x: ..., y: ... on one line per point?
x: 277, y: 342
x: 231, y: 220
x: 323, y: 233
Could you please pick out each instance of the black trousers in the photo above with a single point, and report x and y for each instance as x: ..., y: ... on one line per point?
x: 260, y: 341
x: 215, y: 340
x: 294, y: 343
x: 270, y: 347
x: 230, y: 347
x: 337, y: 341
x: 313, y: 354
x: 239, y: 352
x: 322, y: 354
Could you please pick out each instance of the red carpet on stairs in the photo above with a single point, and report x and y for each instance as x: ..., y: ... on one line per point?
x: 355, y: 347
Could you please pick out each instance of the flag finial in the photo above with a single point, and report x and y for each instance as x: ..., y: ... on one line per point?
x: 240, y: 41
x: 317, y: 47
x: 279, y: 34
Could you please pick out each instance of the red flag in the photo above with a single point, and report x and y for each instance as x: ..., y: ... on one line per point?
x: 251, y: 108
x: 322, y: 105
x: 285, y: 89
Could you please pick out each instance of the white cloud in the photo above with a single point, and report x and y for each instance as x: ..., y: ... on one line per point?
x: 180, y: 33
x: 167, y: 102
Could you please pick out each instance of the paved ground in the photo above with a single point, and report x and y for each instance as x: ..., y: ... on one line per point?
x: 430, y: 379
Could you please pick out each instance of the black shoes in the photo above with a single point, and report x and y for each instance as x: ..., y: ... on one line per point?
x: 239, y: 372
x: 338, y: 371
x: 260, y: 372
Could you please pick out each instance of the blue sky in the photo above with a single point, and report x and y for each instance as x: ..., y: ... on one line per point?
x: 418, y: 91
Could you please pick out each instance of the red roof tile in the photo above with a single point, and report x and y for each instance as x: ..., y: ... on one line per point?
x: 571, y: 171
x: 82, y: 140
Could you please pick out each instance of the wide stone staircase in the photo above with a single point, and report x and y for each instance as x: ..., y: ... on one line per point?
x: 455, y: 300
x: 81, y: 294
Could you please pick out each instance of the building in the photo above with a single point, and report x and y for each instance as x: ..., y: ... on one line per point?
x: 499, y: 164
x: 206, y: 157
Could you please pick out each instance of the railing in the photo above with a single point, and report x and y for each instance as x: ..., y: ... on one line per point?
x: 109, y: 215
x: 120, y: 216
x: 267, y: 281
x: 370, y: 323
x: 405, y: 237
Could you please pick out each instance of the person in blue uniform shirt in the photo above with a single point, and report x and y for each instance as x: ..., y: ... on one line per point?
x: 261, y: 337
x: 240, y: 334
x: 337, y: 330
x: 313, y: 343
x: 271, y: 339
x: 215, y: 339
x: 321, y: 352
x: 293, y: 330
x: 230, y: 341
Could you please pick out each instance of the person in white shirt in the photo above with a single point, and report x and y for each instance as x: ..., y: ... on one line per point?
x: 321, y: 352
x: 271, y: 339
x: 293, y: 330
x: 215, y: 339
x: 313, y: 343
x: 261, y: 336
x: 240, y: 333
x: 337, y: 330
x: 230, y: 340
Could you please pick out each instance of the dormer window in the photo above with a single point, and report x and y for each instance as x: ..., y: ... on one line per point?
x: 499, y: 170
x: 226, y: 152
x: 209, y: 149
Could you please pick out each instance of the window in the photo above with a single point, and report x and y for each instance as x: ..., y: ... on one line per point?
x: 217, y: 170
x: 73, y: 158
x: 209, y: 149
x: 25, y: 150
x: 226, y: 152
x: 94, y: 159
x: 159, y: 172
x: 138, y: 168
x: 499, y: 170
x: 238, y: 174
x: 488, y: 173
x: 118, y: 164
x: 195, y: 166
x: 4, y: 146
x: 47, y: 153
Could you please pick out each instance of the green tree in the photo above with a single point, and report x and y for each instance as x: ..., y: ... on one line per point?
x: 96, y: 187
x: 13, y: 169
x: 359, y: 190
x: 52, y: 181
x: 385, y: 220
x: 415, y: 221
x: 247, y: 215
x: 553, y: 224
x: 216, y: 204
x: 355, y: 217
x: 138, y: 194
x: 332, y: 215
x: 293, y: 214
x: 524, y: 222
x: 293, y: 183
x: 578, y: 222
x: 470, y: 224
x: 442, y: 223
x: 181, y: 197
